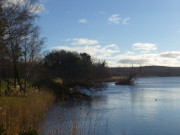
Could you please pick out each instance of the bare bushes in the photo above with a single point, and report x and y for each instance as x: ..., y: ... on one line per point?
x: 129, y: 80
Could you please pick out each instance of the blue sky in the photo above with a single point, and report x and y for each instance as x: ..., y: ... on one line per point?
x: 142, y: 32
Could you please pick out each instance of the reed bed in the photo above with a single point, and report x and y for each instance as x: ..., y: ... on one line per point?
x: 30, y: 111
x: 24, y: 112
x: 111, y: 79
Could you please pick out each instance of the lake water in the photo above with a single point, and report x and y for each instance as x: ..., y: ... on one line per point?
x: 150, y: 107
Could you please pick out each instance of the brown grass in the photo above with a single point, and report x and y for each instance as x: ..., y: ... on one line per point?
x: 21, y: 113
x: 112, y: 79
x: 24, y: 112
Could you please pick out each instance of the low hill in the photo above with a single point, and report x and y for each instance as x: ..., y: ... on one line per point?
x: 159, y: 71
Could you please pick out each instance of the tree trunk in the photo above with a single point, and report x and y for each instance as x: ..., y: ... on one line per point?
x: 0, y: 86
x: 8, y: 85
x: 17, y: 76
x: 14, y: 82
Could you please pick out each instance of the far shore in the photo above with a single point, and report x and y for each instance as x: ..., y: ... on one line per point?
x: 119, y: 78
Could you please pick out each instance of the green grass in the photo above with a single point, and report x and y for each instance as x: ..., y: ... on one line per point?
x: 4, y: 84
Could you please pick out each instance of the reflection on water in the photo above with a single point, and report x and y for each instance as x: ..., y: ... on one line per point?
x: 150, y: 107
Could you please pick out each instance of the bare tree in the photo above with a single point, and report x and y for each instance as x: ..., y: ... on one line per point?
x: 129, y: 80
x: 31, y: 48
x: 19, y: 33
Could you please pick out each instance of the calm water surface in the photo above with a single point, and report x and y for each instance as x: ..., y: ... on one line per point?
x: 150, y: 107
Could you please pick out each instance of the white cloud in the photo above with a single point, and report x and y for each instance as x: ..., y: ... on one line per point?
x: 11, y: 3
x: 83, y: 20
x: 115, y: 18
x: 90, y: 46
x: 96, y: 51
x: 144, y: 47
x: 172, y: 54
x: 111, y: 53
x: 111, y: 46
x: 83, y: 41
x: 35, y: 8
x: 146, y: 60
x: 14, y: 1
x: 125, y: 20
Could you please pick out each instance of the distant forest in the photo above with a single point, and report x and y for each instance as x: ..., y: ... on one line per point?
x: 147, y: 71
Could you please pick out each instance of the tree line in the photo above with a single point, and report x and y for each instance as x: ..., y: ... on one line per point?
x: 75, y: 67
x: 159, y: 71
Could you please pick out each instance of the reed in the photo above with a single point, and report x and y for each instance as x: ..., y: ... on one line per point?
x: 24, y: 112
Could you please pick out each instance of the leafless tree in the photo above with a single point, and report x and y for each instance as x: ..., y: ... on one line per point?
x: 31, y: 47
x: 129, y: 80
x: 19, y: 34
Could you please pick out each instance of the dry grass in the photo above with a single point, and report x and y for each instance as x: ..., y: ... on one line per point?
x: 30, y: 111
x: 22, y: 113
x: 112, y: 79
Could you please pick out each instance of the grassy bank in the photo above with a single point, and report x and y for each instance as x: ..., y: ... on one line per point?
x: 21, y: 113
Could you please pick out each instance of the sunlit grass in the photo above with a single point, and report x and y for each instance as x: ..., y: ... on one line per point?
x: 21, y: 113
x: 29, y: 111
x: 4, y: 85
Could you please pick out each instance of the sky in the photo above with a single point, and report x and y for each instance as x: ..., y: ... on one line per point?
x: 122, y: 32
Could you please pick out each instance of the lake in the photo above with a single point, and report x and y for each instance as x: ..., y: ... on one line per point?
x: 150, y: 107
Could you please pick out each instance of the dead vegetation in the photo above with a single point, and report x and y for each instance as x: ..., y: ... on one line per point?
x: 129, y: 80
x: 21, y: 113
